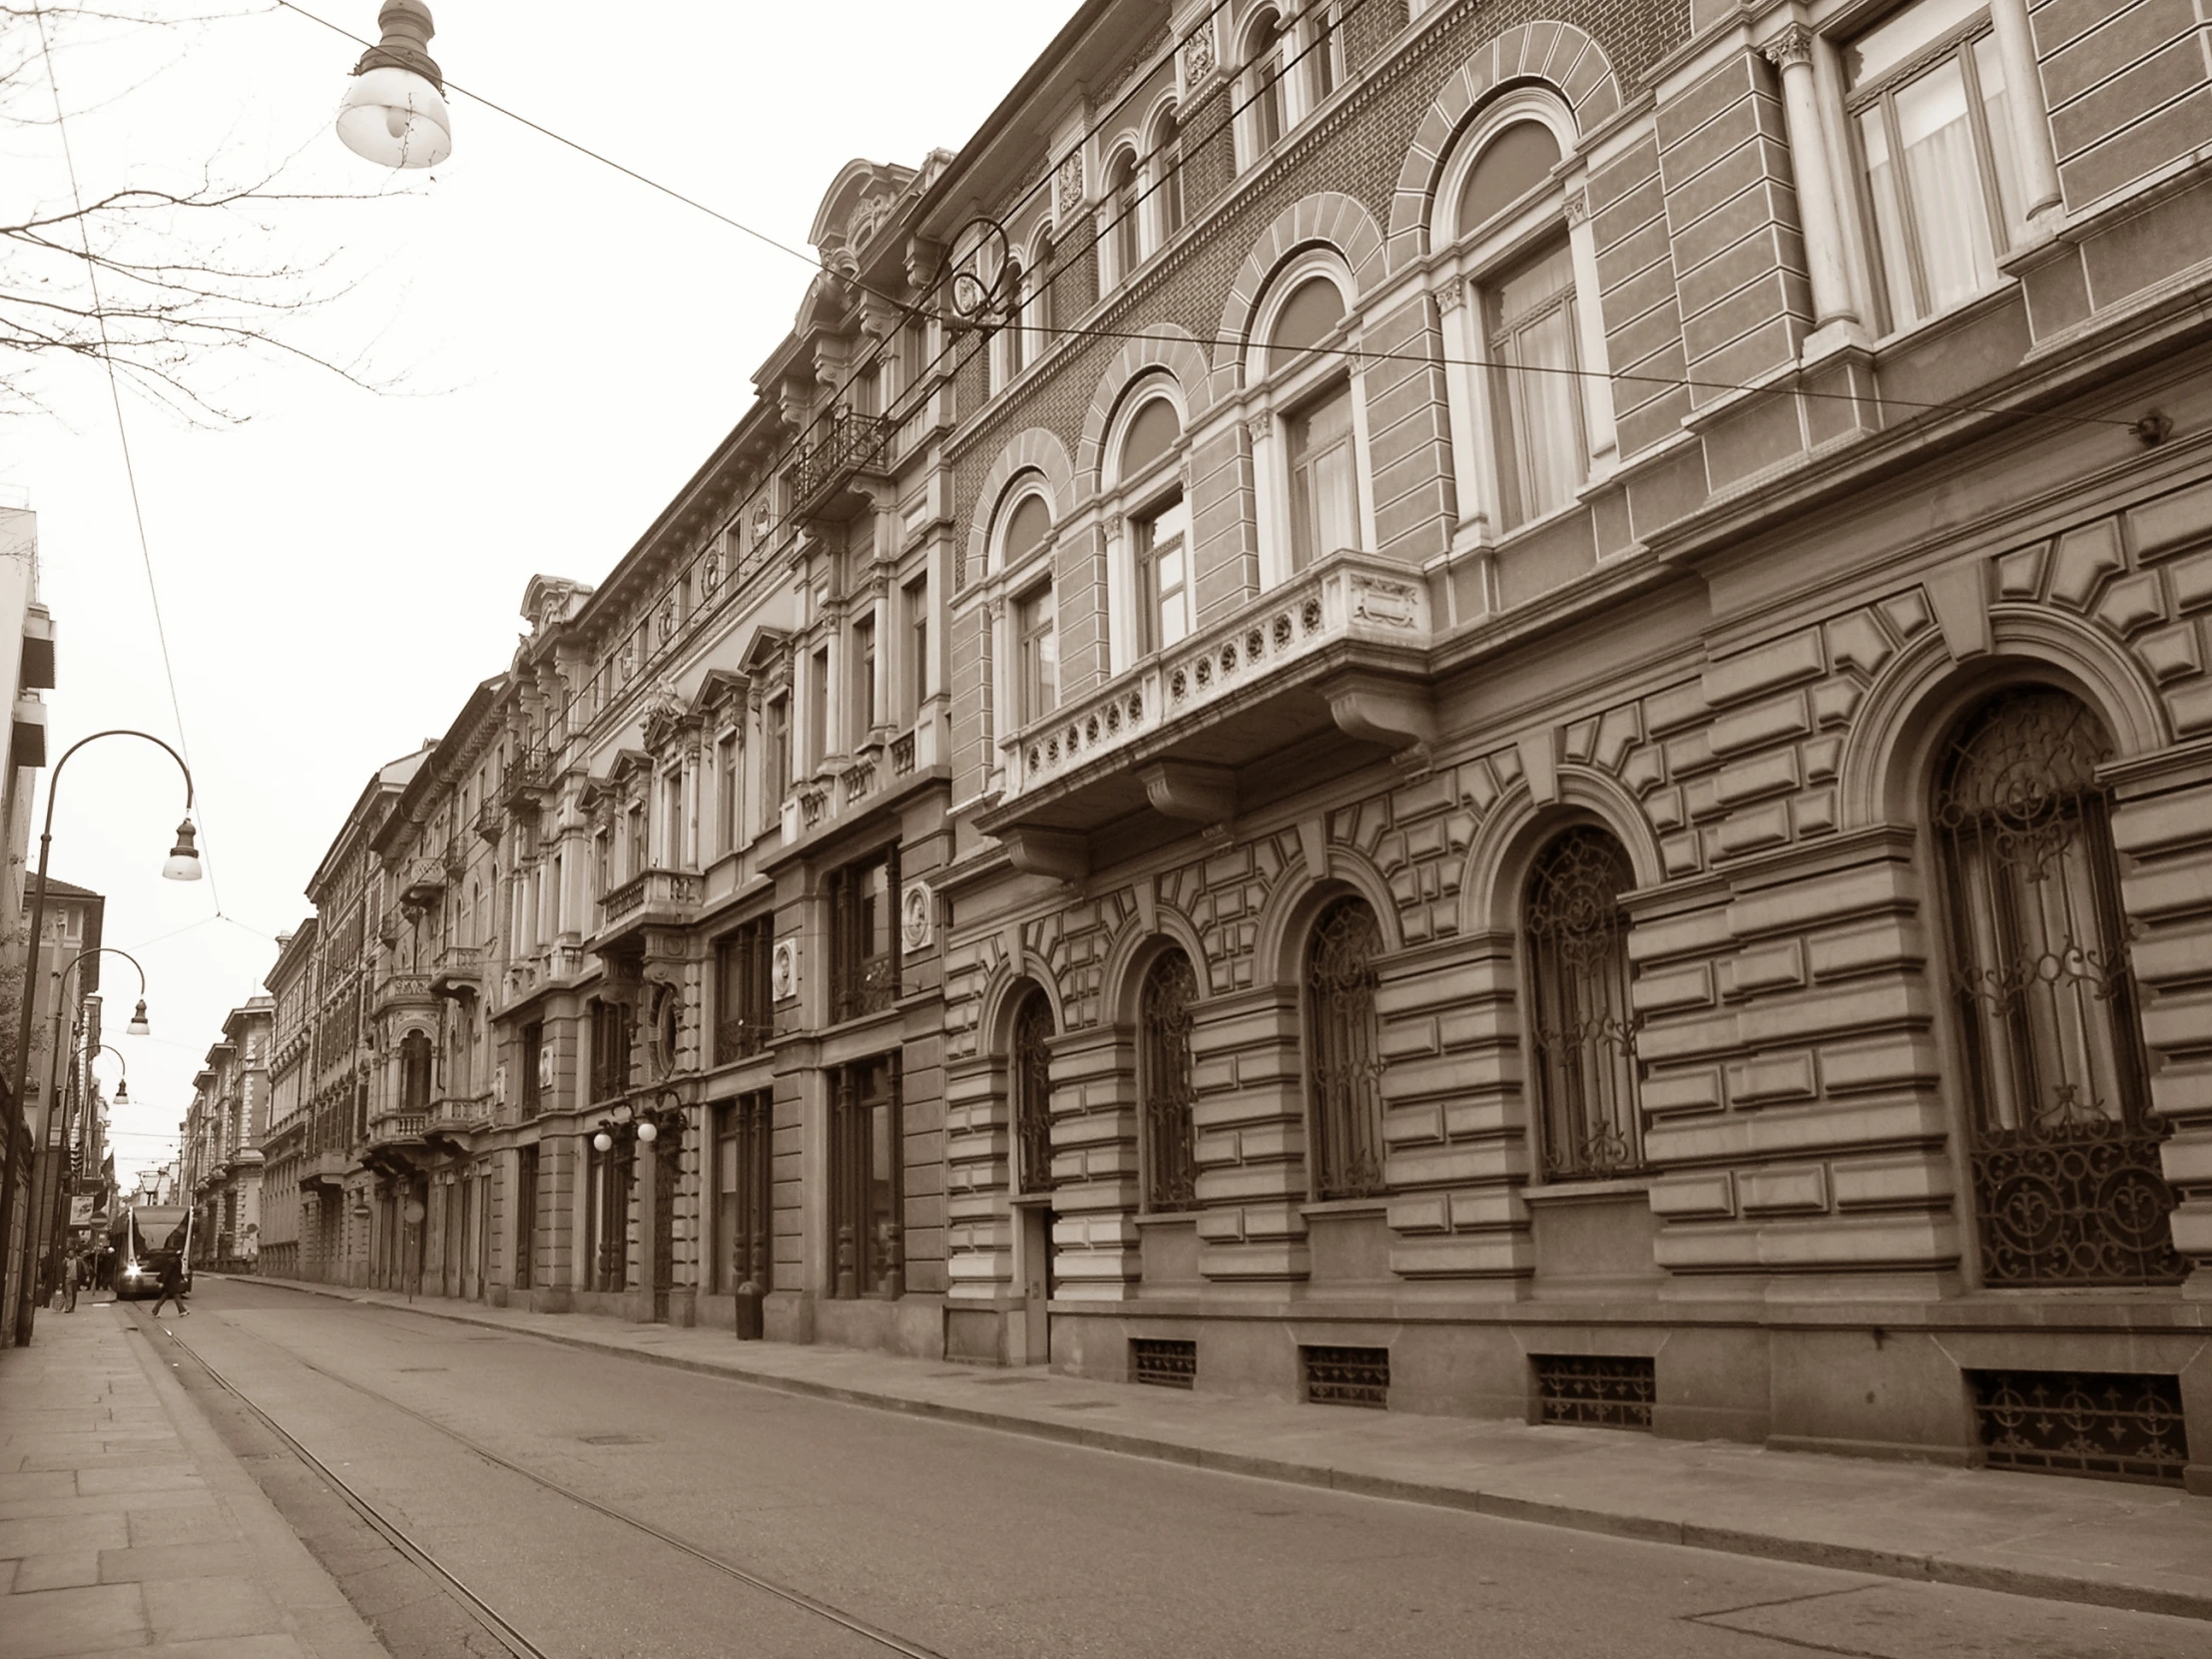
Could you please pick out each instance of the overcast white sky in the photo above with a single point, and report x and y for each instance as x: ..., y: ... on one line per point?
x: 338, y: 572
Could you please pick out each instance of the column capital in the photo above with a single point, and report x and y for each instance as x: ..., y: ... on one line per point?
x: 1792, y: 47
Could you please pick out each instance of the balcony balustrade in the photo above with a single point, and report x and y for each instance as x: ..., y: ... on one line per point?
x: 398, y: 1128
x: 653, y: 899
x: 529, y: 777
x: 404, y: 990
x: 844, y: 444
x: 491, y: 819
x: 460, y: 1115
x: 1338, y: 651
x: 458, y: 971
x: 423, y: 882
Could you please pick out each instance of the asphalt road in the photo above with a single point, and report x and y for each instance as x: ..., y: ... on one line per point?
x: 949, y: 1540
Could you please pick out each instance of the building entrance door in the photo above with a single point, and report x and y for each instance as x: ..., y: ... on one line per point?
x: 664, y: 1225
x: 526, y: 1216
x: 1036, y: 1283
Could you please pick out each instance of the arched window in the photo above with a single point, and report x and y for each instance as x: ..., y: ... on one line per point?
x: 1036, y: 311
x: 1167, y: 176
x: 1345, y: 1051
x: 1261, y: 90
x: 1583, y: 1027
x: 1032, y: 1081
x: 1159, y: 530
x: 1017, y: 317
x: 1023, y: 529
x: 1513, y: 165
x: 2067, y: 1184
x: 1317, y: 479
x: 1164, y: 1083
x: 1121, y: 208
x: 414, y: 1072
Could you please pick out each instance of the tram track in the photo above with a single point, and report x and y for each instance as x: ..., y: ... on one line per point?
x: 476, y: 1605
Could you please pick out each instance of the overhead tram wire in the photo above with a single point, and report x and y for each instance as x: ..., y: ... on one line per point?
x: 875, y: 356
x: 121, y: 429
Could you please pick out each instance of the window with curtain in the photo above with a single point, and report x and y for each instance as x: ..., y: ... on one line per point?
x: 2067, y: 1183
x: 1262, y: 90
x: 1033, y: 1089
x: 1326, y: 52
x: 1325, y: 484
x: 1345, y: 1051
x: 1037, y: 649
x: 864, y: 712
x: 1121, y: 206
x: 1535, y: 394
x: 776, y: 756
x: 1017, y: 313
x: 726, y: 791
x: 1167, y: 173
x: 1162, y: 541
x: 916, y: 597
x: 1164, y: 1083
x: 1581, y: 1025
x: 1927, y: 97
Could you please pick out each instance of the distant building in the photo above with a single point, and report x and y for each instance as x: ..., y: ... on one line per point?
x: 224, y: 1131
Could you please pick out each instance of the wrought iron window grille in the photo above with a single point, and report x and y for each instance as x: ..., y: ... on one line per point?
x: 1171, y: 1157
x: 1336, y: 1375
x: 1033, y: 1094
x: 1163, y: 1362
x: 2064, y: 1153
x: 1595, y: 1391
x: 2107, y: 1425
x: 1345, y: 1051
x: 1585, y: 1030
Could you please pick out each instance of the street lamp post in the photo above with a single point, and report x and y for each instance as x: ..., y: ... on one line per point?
x: 183, y: 865
x: 45, y: 1215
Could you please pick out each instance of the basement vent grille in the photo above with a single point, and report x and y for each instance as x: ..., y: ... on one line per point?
x: 2108, y: 1425
x: 1348, y: 1375
x: 1594, y: 1390
x: 1163, y: 1362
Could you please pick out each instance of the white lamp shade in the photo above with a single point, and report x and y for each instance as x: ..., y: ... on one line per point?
x: 647, y: 1133
x: 395, y: 118
x: 603, y: 1141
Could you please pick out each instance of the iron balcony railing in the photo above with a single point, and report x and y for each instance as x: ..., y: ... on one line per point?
x: 845, y: 442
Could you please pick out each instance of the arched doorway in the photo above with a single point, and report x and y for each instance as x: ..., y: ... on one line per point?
x: 1030, y: 1087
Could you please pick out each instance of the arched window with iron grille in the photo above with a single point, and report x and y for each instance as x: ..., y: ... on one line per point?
x: 1032, y: 1080
x: 2064, y: 1153
x: 1345, y: 1051
x: 1580, y: 1021
x: 1164, y: 1082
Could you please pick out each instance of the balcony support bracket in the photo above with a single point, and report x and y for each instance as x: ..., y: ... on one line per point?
x: 1383, y: 711
x: 1192, y: 791
x: 1062, y: 854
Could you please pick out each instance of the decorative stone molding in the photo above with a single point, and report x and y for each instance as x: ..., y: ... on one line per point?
x: 1070, y: 194
x: 1198, y: 57
x: 917, y: 916
x: 1794, y: 45
x: 784, y: 971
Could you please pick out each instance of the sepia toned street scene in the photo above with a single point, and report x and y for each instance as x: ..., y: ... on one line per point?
x: 1262, y: 827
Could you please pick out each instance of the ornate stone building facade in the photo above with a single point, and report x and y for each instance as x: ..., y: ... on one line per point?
x: 1491, y: 708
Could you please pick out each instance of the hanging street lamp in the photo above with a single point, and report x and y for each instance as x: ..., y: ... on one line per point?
x: 394, y: 112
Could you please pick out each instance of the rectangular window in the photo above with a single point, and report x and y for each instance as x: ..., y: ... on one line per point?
x: 610, y: 1050
x: 534, y: 1068
x: 864, y: 941
x: 672, y: 821
x: 864, y: 678
x: 742, y: 1168
x: 1039, y: 650
x: 726, y: 793
x: 1535, y: 400
x: 866, y: 1219
x: 1926, y: 94
x: 775, y: 761
x: 1324, y: 485
x: 817, y: 707
x: 1163, y: 575
x: 744, y: 1005
x: 917, y: 644
x: 640, y: 848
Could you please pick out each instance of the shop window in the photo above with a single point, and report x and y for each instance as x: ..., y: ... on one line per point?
x: 867, y: 1220
x: 1927, y: 97
x: 2067, y: 1184
x: 1344, y: 1058
x: 1582, y: 1026
x: 744, y: 1169
x: 1164, y: 1083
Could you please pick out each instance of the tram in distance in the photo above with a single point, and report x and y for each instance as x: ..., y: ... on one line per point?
x: 146, y: 1239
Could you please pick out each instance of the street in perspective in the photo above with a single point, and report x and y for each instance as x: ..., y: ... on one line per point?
x: 1392, y: 837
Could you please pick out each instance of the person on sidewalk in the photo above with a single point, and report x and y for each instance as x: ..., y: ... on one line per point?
x: 172, y: 1288
x: 71, y: 1271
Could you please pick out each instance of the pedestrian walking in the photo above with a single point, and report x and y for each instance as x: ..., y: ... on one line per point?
x: 71, y: 1272
x: 172, y: 1288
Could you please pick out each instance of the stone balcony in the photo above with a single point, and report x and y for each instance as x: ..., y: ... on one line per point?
x: 1317, y: 675
x: 397, y: 1129
x: 423, y: 882
x: 650, y: 903
x: 458, y: 971
x: 458, y: 1117
x: 402, y: 990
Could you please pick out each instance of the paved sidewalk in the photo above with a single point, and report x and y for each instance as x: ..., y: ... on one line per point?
x: 2147, y: 1548
x: 126, y: 1526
